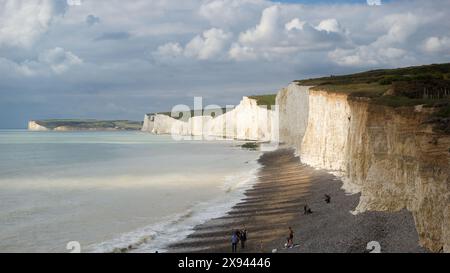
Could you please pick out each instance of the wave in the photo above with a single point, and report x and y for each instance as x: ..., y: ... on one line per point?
x: 158, y: 237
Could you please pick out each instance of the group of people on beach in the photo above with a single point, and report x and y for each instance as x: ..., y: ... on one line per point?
x: 236, y: 237
x: 306, y: 210
x: 241, y: 235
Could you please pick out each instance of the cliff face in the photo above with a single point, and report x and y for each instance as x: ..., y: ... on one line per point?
x: 34, y: 126
x: 247, y: 121
x: 293, y: 104
x: 166, y: 125
x: 400, y: 163
x: 148, y: 123
x: 387, y: 154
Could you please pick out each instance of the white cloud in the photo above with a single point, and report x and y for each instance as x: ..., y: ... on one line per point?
x: 209, y: 45
x: 50, y: 62
x: 367, y: 56
x: 169, y: 50
x: 22, y: 21
x: 266, y: 31
x: 26, y: 68
x: 400, y: 27
x: 242, y: 53
x: 231, y: 13
x: 437, y: 45
x: 295, y: 24
x: 280, y: 36
x: 374, y: 2
x: 59, y: 60
x: 53, y: 61
x: 329, y: 25
x: 387, y: 48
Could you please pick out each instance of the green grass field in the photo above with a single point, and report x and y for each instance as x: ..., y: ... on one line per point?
x: 265, y: 100
x: 91, y: 124
x: 385, y: 76
x: 409, y: 86
x: 427, y: 85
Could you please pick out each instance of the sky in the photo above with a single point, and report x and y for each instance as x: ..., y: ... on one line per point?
x: 115, y: 59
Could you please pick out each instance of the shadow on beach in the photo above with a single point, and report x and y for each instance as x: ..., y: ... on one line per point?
x: 277, y: 202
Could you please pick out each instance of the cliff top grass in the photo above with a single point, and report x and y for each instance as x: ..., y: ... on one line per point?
x: 385, y: 76
x: 265, y: 100
x: 91, y: 124
x: 441, y: 119
x: 427, y: 85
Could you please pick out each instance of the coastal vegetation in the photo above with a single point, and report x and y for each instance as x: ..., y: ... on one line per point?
x: 427, y: 85
x: 441, y: 119
x: 265, y: 100
x: 251, y: 146
x: 52, y: 124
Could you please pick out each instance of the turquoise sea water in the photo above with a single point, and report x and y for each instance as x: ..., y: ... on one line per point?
x: 109, y: 190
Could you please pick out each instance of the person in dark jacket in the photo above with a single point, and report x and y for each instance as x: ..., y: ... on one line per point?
x: 234, y: 241
x: 307, y: 210
x: 327, y: 199
x: 243, y: 237
x: 290, y: 239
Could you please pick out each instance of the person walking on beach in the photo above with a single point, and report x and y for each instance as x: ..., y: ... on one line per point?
x: 243, y: 237
x: 307, y: 209
x: 290, y: 241
x: 234, y: 242
x: 327, y: 199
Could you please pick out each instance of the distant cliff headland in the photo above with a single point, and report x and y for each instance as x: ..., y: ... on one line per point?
x: 83, y: 125
x: 253, y: 119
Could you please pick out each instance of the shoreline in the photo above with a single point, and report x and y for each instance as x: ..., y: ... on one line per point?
x: 276, y: 202
x: 155, y: 238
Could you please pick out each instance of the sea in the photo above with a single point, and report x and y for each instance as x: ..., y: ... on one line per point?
x: 110, y: 191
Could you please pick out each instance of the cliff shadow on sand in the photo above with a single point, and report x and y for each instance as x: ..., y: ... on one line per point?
x: 276, y: 202
x: 393, y: 155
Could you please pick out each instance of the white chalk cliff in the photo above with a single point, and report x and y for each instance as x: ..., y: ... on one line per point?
x: 148, y: 123
x: 248, y: 121
x: 388, y: 154
x: 34, y: 126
